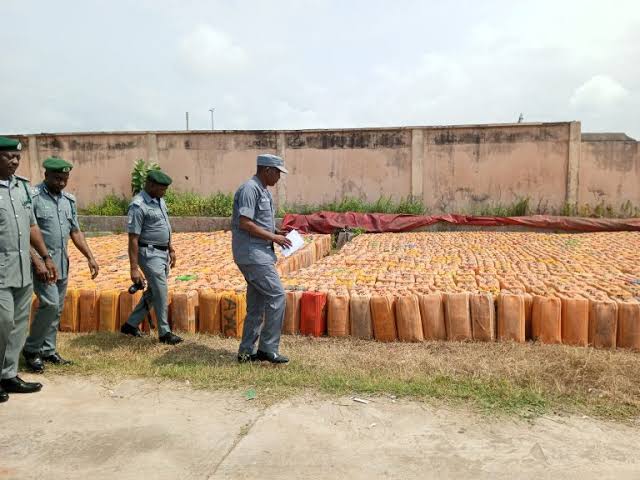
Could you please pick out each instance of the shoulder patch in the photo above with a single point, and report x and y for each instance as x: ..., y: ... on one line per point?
x: 70, y: 196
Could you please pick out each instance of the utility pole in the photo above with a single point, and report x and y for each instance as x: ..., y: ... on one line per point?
x: 186, y: 114
x: 212, y: 124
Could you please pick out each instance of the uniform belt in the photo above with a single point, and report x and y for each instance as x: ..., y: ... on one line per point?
x: 159, y: 247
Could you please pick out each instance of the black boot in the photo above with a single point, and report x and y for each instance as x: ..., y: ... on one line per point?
x: 17, y: 385
x: 33, y: 361
x: 170, y: 339
x: 130, y: 330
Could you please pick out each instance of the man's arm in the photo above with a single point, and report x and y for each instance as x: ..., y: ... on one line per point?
x: 250, y: 226
x: 37, y: 242
x: 172, y: 255
x: 78, y: 239
x: 136, y: 276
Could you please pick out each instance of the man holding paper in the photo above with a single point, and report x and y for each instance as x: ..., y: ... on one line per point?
x: 253, y: 235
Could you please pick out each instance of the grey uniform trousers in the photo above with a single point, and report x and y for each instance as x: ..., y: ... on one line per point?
x: 155, y: 266
x: 265, y: 300
x: 44, y: 327
x: 15, y: 306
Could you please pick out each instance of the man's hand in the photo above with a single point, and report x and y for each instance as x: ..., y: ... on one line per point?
x: 136, y: 276
x: 41, y: 271
x: 282, y: 241
x: 93, y: 268
x: 172, y: 258
x: 283, y: 231
x: 52, y: 273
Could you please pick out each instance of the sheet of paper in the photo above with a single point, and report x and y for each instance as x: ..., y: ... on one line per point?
x: 296, y: 242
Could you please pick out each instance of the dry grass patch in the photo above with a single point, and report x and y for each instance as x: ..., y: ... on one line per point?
x: 524, y: 379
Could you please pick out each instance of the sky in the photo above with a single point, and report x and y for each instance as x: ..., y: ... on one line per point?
x: 108, y: 65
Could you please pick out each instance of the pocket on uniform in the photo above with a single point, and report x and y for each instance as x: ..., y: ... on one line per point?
x: 3, y: 268
x: 43, y: 217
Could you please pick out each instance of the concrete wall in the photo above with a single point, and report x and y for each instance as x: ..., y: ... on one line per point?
x: 609, y: 172
x: 450, y: 168
x: 467, y: 166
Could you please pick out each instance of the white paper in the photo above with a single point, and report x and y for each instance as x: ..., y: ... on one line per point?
x: 296, y: 242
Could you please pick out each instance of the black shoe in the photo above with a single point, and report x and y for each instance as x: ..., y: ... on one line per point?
x: 247, y: 357
x: 17, y: 385
x: 271, y: 357
x: 56, y: 359
x: 170, y: 339
x: 4, y: 396
x: 33, y: 361
x: 130, y: 330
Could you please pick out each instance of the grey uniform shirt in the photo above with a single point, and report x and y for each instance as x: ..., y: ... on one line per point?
x: 149, y: 218
x: 254, y: 201
x: 16, y: 218
x: 57, y: 217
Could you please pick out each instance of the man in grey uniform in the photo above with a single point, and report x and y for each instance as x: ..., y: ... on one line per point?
x: 18, y: 230
x: 150, y: 250
x: 57, y: 217
x: 253, y: 235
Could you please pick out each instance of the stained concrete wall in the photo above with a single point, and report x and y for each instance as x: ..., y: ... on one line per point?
x: 609, y: 172
x: 470, y: 166
x: 450, y: 168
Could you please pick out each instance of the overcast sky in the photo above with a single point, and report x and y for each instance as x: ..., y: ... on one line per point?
x: 91, y: 65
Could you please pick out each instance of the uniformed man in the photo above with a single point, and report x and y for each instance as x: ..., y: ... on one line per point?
x: 57, y: 216
x: 253, y: 235
x: 150, y: 250
x: 18, y: 230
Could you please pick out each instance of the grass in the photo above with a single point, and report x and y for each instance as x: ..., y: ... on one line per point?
x: 111, y: 206
x: 496, y: 378
x: 191, y: 204
x: 383, y: 204
x: 180, y: 204
x: 518, y: 208
x: 601, y: 210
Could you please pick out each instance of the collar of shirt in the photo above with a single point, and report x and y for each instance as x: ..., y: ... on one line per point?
x: 51, y: 194
x: 149, y: 199
x: 6, y: 183
x: 259, y: 182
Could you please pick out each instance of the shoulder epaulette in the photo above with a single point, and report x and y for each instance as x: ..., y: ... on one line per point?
x: 137, y: 201
x: 70, y: 196
x: 23, y: 179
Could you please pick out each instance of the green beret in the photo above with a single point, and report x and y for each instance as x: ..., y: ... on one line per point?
x: 10, y: 145
x: 159, y: 177
x: 55, y: 164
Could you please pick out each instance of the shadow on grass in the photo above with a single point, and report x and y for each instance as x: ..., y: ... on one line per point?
x: 196, y: 354
x: 110, y: 341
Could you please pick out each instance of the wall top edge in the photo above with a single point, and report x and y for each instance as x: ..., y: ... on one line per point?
x: 310, y: 130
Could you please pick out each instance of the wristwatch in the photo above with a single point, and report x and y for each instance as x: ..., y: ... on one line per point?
x: 46, y: 256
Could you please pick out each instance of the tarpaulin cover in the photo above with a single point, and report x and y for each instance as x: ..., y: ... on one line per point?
x: 329, y: 222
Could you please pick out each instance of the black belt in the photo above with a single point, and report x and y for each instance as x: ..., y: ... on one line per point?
x: 159, y: 247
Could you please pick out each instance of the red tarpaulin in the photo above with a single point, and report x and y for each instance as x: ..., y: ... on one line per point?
x: 328, y: 222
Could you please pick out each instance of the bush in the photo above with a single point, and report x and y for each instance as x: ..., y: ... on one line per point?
x: 139, y: 174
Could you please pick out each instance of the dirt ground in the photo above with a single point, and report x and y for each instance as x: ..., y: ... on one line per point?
x: 79, y: 428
